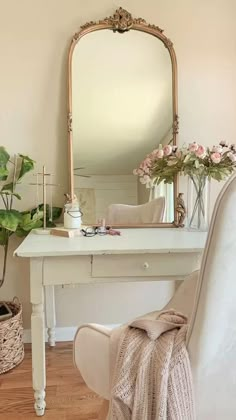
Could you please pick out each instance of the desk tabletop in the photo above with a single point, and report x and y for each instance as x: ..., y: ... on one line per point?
x: 131, y: 241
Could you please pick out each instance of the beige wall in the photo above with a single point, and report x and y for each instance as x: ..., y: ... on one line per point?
x: 34, y: 42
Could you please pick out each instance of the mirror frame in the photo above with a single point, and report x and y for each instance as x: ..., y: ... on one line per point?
x: 123, y: 21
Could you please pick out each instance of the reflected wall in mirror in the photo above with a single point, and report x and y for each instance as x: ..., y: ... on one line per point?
x: 123, y: 100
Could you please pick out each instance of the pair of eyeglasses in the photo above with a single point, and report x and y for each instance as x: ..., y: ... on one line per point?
x: 92, y: 231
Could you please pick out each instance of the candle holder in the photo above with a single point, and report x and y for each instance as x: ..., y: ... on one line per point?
x: 44, y: 174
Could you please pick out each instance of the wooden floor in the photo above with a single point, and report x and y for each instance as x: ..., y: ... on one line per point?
x: 67, y: 396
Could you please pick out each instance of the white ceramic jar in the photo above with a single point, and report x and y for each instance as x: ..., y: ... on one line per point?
x: 72, y: 217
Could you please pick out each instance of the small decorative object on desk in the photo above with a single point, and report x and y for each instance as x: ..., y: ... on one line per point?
x: 99, y: 230
x: 180, y: 210
x: 199, y: 163
x: 49, y: 212
x: 72, y: 214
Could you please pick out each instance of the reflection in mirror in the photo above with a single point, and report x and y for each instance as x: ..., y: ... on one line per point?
x: 122, y: 105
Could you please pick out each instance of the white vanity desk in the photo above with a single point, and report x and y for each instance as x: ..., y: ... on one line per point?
x: 155, y: 254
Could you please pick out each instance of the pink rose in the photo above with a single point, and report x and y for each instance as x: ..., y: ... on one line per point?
x: 217, y: 149
x: 140, y: 172
x: 200, y: 152
x: 154, y: 152
x: 193, y: 147
x: 159, y: 154
x: 232, y: 156
x: 167, y: 150
x: 216, y: 157
x: 146, y: 162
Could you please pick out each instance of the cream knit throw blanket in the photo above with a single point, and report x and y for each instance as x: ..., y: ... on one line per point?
x: 151, y: 374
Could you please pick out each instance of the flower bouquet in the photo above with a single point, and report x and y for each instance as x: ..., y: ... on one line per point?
x: 199, y: 163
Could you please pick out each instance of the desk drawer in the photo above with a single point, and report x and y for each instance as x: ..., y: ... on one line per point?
x: 145, y: 265
x: 67, y: 270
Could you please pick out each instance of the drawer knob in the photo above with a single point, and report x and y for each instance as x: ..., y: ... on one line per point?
x: 146, y: 265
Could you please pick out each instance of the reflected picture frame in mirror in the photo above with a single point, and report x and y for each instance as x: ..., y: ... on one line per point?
x: 122, y: 21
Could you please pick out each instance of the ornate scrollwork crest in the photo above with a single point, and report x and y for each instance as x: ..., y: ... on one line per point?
x: 157, y: 28
x: 168, y: 43
x: 69, y: 122
x: 121, y: 21
x: 176, y: 125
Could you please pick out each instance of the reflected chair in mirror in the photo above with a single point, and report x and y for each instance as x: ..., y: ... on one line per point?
x: 151, y: 212
x: 208, y: 299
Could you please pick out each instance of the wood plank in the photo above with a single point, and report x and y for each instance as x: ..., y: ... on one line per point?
x: 67, y: 396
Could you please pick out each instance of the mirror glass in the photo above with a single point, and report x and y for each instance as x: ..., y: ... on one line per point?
x: 122, y: 107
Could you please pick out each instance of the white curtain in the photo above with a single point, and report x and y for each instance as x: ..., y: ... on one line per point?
x: 167, y: 191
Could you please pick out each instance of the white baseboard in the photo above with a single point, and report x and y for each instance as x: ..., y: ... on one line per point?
x: 62, y: 333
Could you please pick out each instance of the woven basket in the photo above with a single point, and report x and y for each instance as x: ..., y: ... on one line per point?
x: 11, y: 338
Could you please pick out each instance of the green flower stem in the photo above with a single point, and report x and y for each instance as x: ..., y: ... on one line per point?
x: 14, y: 180
x: 4, y: 260
x: 199, y: 185
x: 4, y: 202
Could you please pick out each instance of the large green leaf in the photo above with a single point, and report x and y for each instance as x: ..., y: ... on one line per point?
x: 3, y: 173
x: 10, y: 219
x: 4, y: 158
x: 27, y: 164
x: 53, y: 213
x: 29, y: 221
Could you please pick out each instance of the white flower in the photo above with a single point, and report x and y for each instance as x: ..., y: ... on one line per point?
x: 135, y: 172
x: 232, y: 156
x: 171, y: 162
x: 193, y: 147
x: 217, y: 149
x: 159, y: 154
x: 224, y: 143
x: 145, y: 179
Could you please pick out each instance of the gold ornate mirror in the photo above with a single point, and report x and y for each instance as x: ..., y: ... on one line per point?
x: 122, y: 105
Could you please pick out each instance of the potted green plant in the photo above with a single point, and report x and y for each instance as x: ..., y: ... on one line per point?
x: 13, y: 221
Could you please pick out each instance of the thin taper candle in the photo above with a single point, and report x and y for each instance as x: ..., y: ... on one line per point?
x: 44, y: 197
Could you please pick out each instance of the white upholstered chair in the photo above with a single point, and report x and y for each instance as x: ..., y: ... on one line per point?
x: 151, y: 212
x: 208, y: 297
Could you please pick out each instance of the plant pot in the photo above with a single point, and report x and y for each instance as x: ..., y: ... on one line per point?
x: 198, y: 202
x: 11, y: 338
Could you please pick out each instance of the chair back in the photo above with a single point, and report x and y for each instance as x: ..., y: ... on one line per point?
x: 151, y: 212
x: 212, y: 334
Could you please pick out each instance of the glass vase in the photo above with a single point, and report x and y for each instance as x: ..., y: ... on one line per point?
x: 198, y: 202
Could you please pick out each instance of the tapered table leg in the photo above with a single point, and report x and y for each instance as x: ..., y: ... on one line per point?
x: 50, y: 315
x: 37, y: 334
